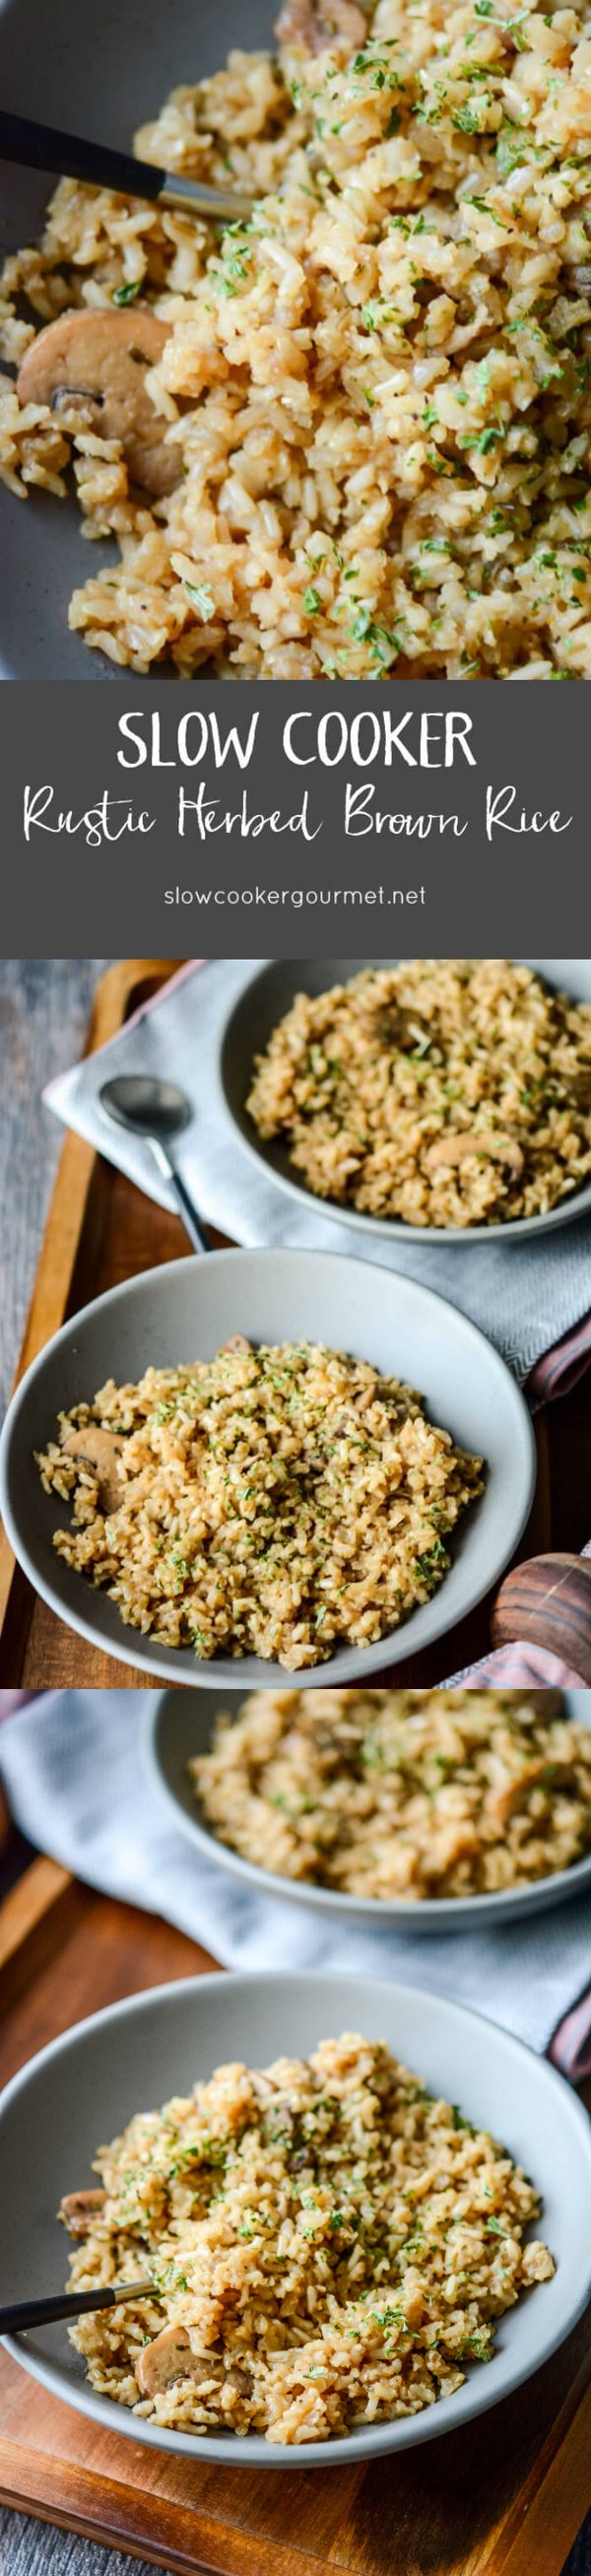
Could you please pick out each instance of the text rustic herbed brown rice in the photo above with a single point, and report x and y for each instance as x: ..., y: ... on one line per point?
x: 401, y: 1794
x: 274, y: 1501
x: 377, y: 389
x: 333, y: 2248
x: 448, y: 1092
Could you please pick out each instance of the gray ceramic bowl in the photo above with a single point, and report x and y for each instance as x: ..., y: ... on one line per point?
x: 264, y: 994
x: 87, y: 2084
x: 179, y: 1724
x: 139, y: 53
x: 184, y: 1311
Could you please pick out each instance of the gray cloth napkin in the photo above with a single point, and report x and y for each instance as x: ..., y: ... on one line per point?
x: 73, y: 1774
x: 524, y: 1297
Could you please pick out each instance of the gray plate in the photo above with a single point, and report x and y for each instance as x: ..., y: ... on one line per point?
x: 264, y: 994
x: 180, y: 1724
x: 104, y: 85
x: 87, y: 2085
x: 183, y: 1312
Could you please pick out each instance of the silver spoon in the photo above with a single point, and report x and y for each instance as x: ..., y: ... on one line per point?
x: 72, y: 2303
x: 155, y: 1111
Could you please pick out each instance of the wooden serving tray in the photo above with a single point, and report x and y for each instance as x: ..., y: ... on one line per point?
x: 101, y: 1230
x: 499, y: 2498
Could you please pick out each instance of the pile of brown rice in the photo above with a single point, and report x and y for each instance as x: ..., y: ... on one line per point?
x: 377, y: 389
x: 274, y: 1501
x: 412, y: 1794
x: 333, y: 2247
x: 450, y: 1092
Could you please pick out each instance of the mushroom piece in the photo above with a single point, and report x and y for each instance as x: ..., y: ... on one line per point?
x: 457, y: 1145
x: 398, y: 1027
x: 510, y: 1798
x: 317, y: 23
x: 238, y: 1342
x: 169, y: 2357
x: 91, y: 368
x: 100, y: 1451
x: 80, y: 2208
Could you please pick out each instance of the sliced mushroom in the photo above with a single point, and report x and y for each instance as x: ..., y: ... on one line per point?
x: 457, y: 1145
x: 80, y: 2208
x: 315, y: 23
x: 92, y: 366
x: 100, y: 1451
x: 397, y: 1026
x: 238, y: 1342
x: 322, y: 1735
x: 169, y: 2357
x: 508, y: 1799
x: 560, y: 1776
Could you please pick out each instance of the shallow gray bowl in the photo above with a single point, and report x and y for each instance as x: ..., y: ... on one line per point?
x: 179, y: 1724
x: 140, y: 51
x: 184, y: 1311
x: 134, y: 2056
x: 264, y: 994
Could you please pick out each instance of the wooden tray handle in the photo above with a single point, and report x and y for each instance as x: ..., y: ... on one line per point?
x: 548, y: 1603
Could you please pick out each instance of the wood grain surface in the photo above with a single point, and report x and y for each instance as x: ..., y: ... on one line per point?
x: 45, y: 1005
x: 503, y: 2497
x: 101, y: 1230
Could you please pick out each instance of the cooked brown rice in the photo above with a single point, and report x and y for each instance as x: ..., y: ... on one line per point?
x: 412, y: 1794
x: 276, y: 1500
x: 377, y: 389
x: 333, y: 2247
x: 450, y: 1092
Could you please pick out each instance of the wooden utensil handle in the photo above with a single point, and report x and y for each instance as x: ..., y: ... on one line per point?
x: 548, y: 1603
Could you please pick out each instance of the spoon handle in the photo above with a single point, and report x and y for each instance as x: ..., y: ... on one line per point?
x: 76, y: 156
x: 70, y: 2303
x: 191, y: 1221
x: 44, y: 147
